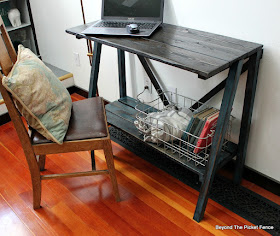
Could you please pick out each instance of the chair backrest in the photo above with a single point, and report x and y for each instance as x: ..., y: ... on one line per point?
x: 8, y: 58
x: 8, y: 54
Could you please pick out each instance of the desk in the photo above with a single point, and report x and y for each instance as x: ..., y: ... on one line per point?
x: 203, y: 53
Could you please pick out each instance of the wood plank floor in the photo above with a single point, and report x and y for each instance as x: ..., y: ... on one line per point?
x: 153, y: 202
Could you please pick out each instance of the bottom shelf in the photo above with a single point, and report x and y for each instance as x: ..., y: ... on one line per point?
x: 121, y: 114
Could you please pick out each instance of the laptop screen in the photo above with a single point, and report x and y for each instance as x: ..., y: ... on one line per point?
x: 133, y: 8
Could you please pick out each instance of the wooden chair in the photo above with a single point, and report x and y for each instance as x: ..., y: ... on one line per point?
x: 88, y: 130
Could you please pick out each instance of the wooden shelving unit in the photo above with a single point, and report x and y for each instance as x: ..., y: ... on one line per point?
x: 122, y: 114
x: 23, y: 25
x: 24, y: 34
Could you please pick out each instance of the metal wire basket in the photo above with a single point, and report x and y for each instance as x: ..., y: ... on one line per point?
x: 174, y: 137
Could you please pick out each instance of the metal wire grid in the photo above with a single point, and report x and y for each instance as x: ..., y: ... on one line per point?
x: 164, y: 132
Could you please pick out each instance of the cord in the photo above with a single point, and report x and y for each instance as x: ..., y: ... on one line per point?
x: 146, y: 87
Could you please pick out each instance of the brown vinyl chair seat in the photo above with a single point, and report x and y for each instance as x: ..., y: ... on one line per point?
x: 87, y: 122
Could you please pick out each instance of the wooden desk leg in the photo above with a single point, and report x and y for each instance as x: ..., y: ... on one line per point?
x: 94, y: 70
x: 227, y: 102
x: 122, y: 77
x: 93, y: 164
x: 250, y: 91
x: 93, y: 83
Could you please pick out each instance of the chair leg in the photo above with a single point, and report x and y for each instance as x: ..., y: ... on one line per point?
x: 41, y: 162
x: 35, y: 178
x: 111, y: 168
x: 36, y: 185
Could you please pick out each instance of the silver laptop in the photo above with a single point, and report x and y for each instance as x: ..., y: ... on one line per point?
x: 119, y: 15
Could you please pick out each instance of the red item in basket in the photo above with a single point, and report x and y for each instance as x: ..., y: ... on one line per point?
x: 209, y: 127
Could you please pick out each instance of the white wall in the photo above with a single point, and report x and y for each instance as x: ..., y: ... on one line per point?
x: 254, y: 21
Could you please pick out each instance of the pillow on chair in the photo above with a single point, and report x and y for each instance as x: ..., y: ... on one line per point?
x: 39, y: 95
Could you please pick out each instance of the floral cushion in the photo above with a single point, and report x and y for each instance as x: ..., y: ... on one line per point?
x: 39, y: 95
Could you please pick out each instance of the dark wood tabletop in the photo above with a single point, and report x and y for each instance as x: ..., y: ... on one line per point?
x: 203, y: 53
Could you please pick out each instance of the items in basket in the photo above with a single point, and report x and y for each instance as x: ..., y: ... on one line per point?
x: 200, y: 130
x: 207, y: 132
x: 165, y: 125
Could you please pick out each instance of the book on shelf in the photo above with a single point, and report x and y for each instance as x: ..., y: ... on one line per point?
x: 201, y: 121
x: 194, y: 122
x: 205, y: 137
x: 197, y: 130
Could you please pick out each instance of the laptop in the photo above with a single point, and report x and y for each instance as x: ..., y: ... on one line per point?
x: 117, y: 15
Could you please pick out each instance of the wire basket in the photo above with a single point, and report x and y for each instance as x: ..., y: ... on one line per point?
x: 172, y: 136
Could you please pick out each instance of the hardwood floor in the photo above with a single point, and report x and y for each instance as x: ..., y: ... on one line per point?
x: 153, y: 202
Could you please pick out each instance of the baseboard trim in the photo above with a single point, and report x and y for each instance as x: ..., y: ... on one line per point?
x: 4, y: 118
x: 82, y: 92
x: 249, y: 174
x: 256, y: 178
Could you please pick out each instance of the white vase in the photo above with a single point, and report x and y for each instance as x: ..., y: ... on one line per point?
x: 14, y: 17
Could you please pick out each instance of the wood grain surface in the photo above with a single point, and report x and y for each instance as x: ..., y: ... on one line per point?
x: 203, y: 53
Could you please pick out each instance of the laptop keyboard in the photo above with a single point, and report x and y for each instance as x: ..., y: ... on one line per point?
x: 114, y: 24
